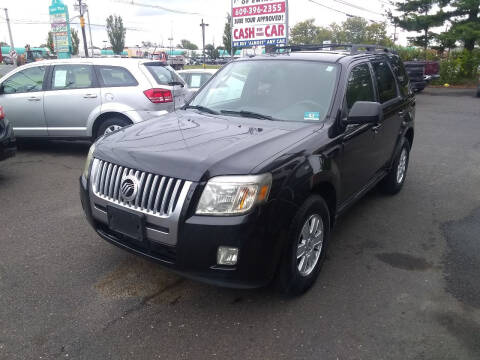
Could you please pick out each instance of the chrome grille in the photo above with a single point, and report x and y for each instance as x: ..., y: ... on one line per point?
x: 157, y: 195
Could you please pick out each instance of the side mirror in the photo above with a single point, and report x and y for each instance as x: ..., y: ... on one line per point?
x: 365, y: 112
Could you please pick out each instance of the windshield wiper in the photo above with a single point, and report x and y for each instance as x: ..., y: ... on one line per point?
x: 250, y: 114
x: 201, y: 108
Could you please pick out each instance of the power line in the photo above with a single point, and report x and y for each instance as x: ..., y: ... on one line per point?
x: 131, y: 2
x: 328, y: 7
x: 343, y: 2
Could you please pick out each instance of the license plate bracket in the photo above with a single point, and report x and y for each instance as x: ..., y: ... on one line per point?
x: 126, y: 223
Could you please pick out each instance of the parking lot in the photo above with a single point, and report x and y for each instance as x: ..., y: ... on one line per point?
x: 400, y: 281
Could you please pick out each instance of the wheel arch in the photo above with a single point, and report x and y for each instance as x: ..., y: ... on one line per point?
x: 409, y: 135
x: 107, y: 115
x: 328, y: 192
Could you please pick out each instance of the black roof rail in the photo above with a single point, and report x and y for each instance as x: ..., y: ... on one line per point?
x: 354, y: 48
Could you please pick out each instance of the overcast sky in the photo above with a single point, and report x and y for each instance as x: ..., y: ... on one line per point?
x: 30, y: 19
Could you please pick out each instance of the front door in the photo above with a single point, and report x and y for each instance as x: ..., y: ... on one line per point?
x: 22, y: 99
x: 357, y: 164
x: 73, y: 97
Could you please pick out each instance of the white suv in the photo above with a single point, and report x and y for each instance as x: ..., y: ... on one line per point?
x: 86, y: 98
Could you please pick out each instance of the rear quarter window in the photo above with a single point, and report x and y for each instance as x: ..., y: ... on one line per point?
x: 163, y: 75
x: 114, y: 76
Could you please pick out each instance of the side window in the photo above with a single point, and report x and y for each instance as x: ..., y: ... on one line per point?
x: 401, y: 74
x: 111, y: 76
x: 72, y: 77
x: 359, y: 86
x: 28, y: 80
x: 387, y: 88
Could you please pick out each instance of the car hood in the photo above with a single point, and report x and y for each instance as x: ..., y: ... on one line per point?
x: 196, y: 146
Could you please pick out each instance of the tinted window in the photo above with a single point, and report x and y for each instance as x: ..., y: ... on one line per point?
x: 387, y: 88
x: 290, y: 90
x: 28, y: 80
x: 163, y: 75
x: 401, y: 73
x: 72, y: 77
x: 197, y: 80
x: 360, y: 85
x: 116, y: 76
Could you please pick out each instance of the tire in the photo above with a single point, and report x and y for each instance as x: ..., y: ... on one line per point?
x: 111, y: 124
x: 290, y: 279
x: 393, y: 182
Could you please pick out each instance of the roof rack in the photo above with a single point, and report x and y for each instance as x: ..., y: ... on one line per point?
x: 354, y: 48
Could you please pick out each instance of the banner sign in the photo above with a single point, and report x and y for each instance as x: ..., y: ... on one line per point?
x: 60, y: 28
x: 259, y: 22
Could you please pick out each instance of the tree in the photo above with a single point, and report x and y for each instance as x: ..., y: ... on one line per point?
x: 416, y: 15
x: 116, y: 33
x: 227, y: 35
x: 50, y: 43
x: 211, y: 52
x: 186, y: 44
x: 75, y: 42
x: 465, y: 19
x: 304, y: 33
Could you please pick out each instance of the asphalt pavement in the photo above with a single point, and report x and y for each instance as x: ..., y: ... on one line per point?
x: 400, y: 282
x: 4, y: 69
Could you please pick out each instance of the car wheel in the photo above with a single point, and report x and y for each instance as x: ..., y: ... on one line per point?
x: 395, y: 179
x: 110, y: 125
x: 305, y: 253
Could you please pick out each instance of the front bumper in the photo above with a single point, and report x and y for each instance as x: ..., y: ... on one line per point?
x: 195, y: 253
x: 8, y: 144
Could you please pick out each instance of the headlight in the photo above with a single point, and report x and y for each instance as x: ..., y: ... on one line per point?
x: 88, y: 161
x: 234, y: 195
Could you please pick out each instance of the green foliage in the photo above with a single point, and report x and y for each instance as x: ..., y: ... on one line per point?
x: 227, y: 35
x: 75, y: 42
x: 460, y: 67
x: 416, y: 53
x: 116, y: 33
x: 211, y: 52
x: 186, y: 44
x: 50, y: 43
x: 465, y: 18
x: 354, y: 30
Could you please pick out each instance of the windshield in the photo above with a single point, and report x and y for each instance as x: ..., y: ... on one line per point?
x: 287, y: 90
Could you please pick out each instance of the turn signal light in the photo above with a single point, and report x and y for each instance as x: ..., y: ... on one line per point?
x: 159, y: 96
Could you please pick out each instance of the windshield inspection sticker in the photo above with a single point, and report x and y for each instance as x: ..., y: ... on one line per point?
x: 311, y: 116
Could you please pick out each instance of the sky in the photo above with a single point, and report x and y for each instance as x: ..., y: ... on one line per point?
x: 30, y: 19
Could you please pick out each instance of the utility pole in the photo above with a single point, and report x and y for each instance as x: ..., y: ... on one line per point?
x: 12, y: 47
x: 90, y: 29
x: 82, y: 24
x: 203, y: 25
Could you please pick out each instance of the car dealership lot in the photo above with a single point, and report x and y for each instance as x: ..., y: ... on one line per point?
x: 400, y: 281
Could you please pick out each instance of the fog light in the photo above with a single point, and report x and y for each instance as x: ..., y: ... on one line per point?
x: 227, y: 255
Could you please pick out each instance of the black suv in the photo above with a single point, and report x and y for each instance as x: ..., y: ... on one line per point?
x: 244, y: 184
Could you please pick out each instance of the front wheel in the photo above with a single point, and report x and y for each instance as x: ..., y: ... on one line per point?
x: 305, y: 253
x: 395, y: 179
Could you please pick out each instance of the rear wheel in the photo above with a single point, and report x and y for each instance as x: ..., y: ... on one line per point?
x: 305, y: 253
x: 110, y: 125
x: 395, y: 179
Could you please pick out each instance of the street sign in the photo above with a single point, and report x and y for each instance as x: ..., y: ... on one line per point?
x: 259, y: 23
x: 60, y: 28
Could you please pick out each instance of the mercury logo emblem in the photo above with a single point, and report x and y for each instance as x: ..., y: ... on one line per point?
x: 129, y: 187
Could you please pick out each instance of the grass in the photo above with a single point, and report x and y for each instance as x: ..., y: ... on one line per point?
x: 188, y: 67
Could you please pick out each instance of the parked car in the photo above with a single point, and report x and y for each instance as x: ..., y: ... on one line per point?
x: 244, y: 183
x: 7, y: 60
x: 196, y: 78
x: 86, y: 98
x: 478, y: 84
x: 8, y: 146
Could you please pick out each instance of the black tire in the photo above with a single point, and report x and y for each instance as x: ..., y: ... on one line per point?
x: 478, y: 92
x: 392, y: 184
x: 290, y: 281
x: 110, y: 122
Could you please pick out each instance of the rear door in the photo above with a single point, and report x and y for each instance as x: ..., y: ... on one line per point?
x: 357, y: 165
x: 73, y: 96
x: 22, y: 99
x: 387, y: 131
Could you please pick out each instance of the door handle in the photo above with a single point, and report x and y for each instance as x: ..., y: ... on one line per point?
x: 376, y: 128
x: 33, y: 98
x: 90, y: 96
